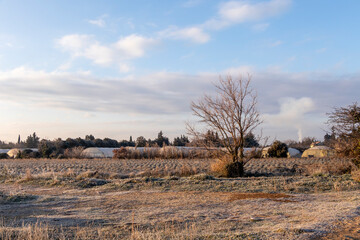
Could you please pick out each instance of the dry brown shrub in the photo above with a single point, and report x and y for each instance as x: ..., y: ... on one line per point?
x: 219, y: 166
x: 74, y: 152
x: 28, y: 176
x: 121, y: 153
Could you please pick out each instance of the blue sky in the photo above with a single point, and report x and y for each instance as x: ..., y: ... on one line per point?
x: 121, y: 68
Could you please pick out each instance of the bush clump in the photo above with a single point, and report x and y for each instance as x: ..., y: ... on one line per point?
x: 28, y: 153
x: 278, y: 150
x: 225, y: 167
x: 121, y: 153
x: 234, y: 169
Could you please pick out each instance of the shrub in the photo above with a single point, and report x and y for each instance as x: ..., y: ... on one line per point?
x: 46, y: 148
x: 121, y: 153
x: 225, y: 167
x: 28, y: 153
x: 234, y: 169
x: 278, y: 150
x: 74, y: 152
x: 3, y: 156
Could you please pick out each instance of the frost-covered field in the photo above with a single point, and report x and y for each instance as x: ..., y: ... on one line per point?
x: 269, y: 166
x: 172, y: 199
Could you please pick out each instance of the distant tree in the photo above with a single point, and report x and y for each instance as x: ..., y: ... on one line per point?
x: 99, y: 142
x: 161, y: 139
x: 251, y: 141
x: 59, y: 145
x: 330, y: 138
x: 211, y: 139
x: 125, y: 143
x: 19, y: 139
x: 89, y: 137
x: 302, y: 145
x: 181, y: 141
x: 80, y: 142
x: 32, y: 141
x: 46, y: 148
x: 278, y: 150
x: 345, y: 124
x: 141, y: 142
x: 111, y: 143
x: 70, y: 143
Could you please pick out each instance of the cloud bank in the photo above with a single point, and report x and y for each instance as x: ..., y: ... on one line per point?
x: 118, y: 53
x: 291, y: 103
x: 167, y: 92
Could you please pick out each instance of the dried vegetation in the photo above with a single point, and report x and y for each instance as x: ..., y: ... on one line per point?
x: 174, y: 199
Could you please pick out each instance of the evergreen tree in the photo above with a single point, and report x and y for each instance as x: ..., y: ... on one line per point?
x: 161, y: 139
x: 32, y: 141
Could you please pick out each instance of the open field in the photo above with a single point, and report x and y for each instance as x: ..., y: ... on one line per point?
x: 174, y: 199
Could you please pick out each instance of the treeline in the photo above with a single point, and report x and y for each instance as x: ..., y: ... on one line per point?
x: 33, y: 141
x: 209, y: 139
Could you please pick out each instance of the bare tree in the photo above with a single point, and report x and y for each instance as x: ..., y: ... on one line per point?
x: 345, y: 125
x: 232, y: 113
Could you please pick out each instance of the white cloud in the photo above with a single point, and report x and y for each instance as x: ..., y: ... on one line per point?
x: 100, y: 21
x: 292, y: 115
x: 243, y: 11
x: 229, y: 13
x: 235, y: 12
x: 194, y: 34
x: 291, y: 103
x: 133, y: 46
x: 125, y: 49
x: 291, y: 110
x: 75, y: 43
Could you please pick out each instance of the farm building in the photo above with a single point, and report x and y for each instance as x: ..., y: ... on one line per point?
x: 13, y: 152
x: 292, y: 152
x: 4, y: 150
x: 94, y: 152
x: 318, y: 151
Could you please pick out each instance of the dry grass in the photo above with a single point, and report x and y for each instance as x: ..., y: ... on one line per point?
x: 333, y: 168
x: 356, y: 175
x: 240, y: 196
x: 170, y: 199
x: 183, y: 171
x: 174, y: 215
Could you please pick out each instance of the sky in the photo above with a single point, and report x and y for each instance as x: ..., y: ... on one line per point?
x: 121, y: 68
